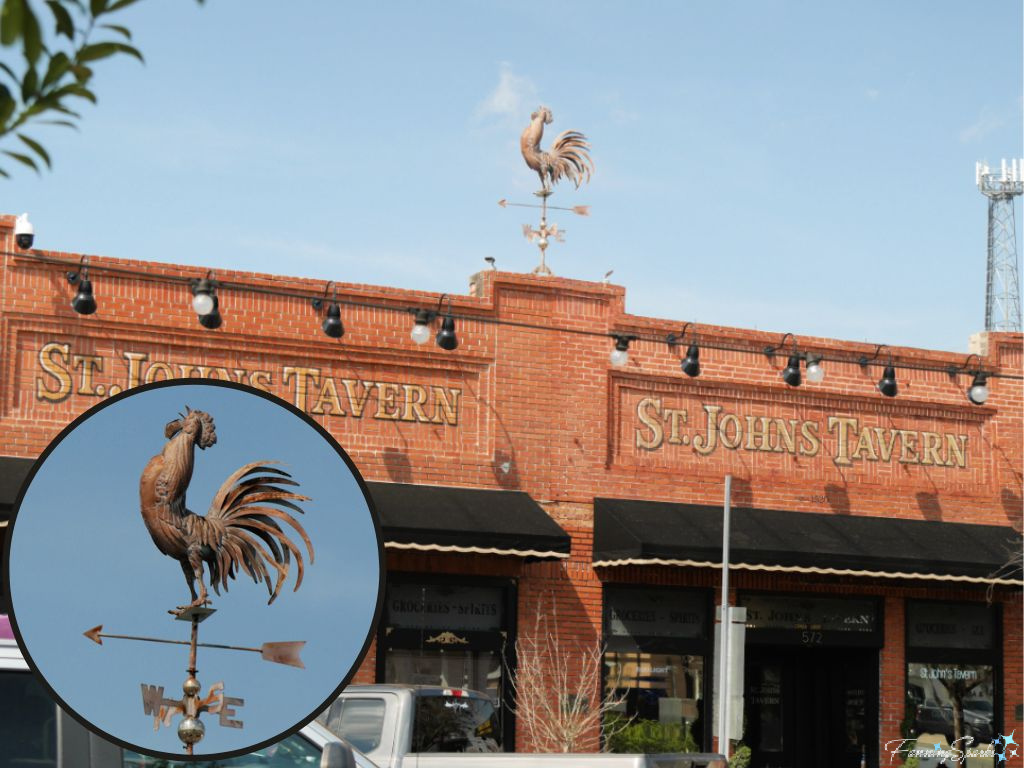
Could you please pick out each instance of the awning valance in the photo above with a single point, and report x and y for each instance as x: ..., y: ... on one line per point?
x: 444, y: 519
x: 657, y: 533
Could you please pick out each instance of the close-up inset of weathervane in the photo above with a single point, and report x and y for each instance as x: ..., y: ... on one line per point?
x: 250, y: 532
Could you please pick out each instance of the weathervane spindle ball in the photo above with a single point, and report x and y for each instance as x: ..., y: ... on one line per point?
x: 191, y: 730
x: 191, y: 687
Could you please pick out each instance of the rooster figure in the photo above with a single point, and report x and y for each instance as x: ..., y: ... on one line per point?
x: 569, y: 155
x: 241, y: 532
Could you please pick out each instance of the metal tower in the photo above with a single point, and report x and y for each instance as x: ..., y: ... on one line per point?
x: 1002, y: 287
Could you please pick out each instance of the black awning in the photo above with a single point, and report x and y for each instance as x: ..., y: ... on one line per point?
x: 13, y: 472
x: 437, y: 518
x: 645, y: 532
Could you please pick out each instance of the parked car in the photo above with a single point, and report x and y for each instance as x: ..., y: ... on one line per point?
x: 408, y: 726
x: 36, y: 733
x: 938, y: 718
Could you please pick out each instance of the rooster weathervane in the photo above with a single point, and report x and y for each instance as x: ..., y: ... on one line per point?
x: 567, y: 157
x: 243, y: 532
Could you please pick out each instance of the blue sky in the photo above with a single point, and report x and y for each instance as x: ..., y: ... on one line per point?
x: 81, y: 556
x: 791, y: 166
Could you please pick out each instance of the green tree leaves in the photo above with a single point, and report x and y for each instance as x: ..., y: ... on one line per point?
x: 54, y: 68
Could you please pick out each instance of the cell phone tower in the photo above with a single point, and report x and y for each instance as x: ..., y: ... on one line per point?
x: 1002, y: 286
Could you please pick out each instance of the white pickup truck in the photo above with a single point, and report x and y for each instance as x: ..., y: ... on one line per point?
x: 36, y: 733
x: 406, y: 726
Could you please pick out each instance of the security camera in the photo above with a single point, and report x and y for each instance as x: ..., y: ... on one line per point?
x: 24, y: 232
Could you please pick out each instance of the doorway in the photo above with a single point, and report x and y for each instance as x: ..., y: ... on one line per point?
x: 809, y: 707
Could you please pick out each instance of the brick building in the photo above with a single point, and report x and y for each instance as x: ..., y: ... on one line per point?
x: 523, y: 474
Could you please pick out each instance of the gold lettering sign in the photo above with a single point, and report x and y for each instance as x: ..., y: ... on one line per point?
x: 717, y: 429
x: 63, y: 373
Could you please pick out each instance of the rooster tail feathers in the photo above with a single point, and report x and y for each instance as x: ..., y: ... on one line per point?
x: 570, y: 156
x: 250, y: 512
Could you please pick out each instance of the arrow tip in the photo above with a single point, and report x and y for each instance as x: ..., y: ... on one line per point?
x: 94, y: 634
x: 284, y: 653
x: 503, y: 202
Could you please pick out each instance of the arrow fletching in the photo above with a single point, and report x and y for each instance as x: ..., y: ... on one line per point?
x: 582, y: 210
x: 284, y: 653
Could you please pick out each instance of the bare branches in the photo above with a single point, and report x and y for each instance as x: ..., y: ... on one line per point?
x: 559, y: 704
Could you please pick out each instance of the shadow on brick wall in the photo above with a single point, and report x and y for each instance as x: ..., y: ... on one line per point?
x: 505, y: 470
x: 397, y: 465
x: 1012, y: 506
x: 929, y: 505
x: 837, y: 498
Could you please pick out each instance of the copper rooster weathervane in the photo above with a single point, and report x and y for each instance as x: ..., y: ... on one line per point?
x: 226, y: 538
x: 568, y: 157
x: 241, y: 533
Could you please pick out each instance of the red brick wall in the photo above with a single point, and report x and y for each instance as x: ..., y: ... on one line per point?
x: 548, y: 403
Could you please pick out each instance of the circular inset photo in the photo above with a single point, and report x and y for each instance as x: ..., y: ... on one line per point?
x: 194, y: 567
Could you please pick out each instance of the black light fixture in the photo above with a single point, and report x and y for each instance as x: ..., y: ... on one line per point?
x: 84, y: 302
x: 887, y: 384
x: 791, y: 373
x: 205, y: 302
x: 620, y: 355
x: 25, y: 233
x: 977, y: 393
x: 332, y: 325
x: 420, y: 333
x: 446, y: 338
x: 690, y: 364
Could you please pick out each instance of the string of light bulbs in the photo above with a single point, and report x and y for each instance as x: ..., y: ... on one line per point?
x: 205, y: 303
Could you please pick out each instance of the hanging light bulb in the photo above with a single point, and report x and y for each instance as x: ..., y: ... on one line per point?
x: 815, y: 373
x: 446, y: 338
x: 887, y: 384
x: 791, y: 373
x: 332, y: 323
x: 84, y: 302
x: 691, y: 363
x: 421, y: 328
x: 620, y: 355
x: 203, y: 297
x: 212, y: 319
x: 977, y: 393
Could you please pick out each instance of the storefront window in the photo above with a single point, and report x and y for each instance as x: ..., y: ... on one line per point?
x: 656, y: 644
x: 952, y: 682
x: 449, y: 635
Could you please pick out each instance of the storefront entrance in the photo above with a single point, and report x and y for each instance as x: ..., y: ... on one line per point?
x: 807, y: 708
x: 811, y: 681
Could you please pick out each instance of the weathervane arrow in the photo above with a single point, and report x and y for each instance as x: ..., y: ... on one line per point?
x: 286, y: 652
x: 581, y: 210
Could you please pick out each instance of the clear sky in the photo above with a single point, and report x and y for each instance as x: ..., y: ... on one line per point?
x: 81, y: 556
x: 793, y: 166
